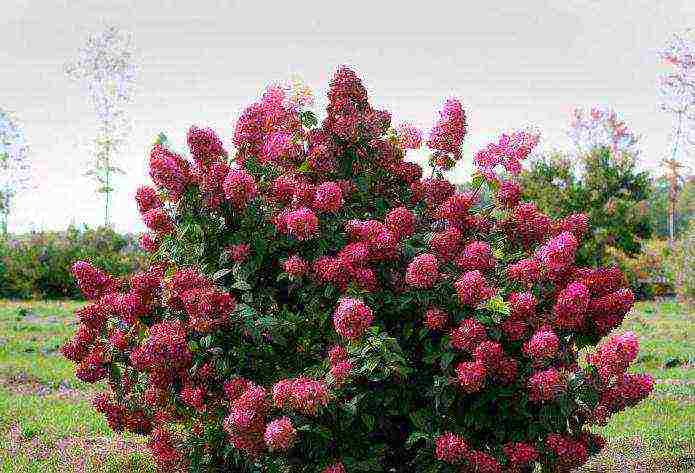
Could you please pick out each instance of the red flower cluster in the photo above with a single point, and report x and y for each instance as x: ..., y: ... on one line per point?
x: 448, y: 133
x: 310, y: 294
x: 300, y: 394
x: 352, y: 318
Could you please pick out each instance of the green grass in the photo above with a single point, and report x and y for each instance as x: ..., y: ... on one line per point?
x: 47, y: 424
x: 46, y: 421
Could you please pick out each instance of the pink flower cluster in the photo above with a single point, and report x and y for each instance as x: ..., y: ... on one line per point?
x: 508, y: 152
x: 448, y: 133
x: 352, y: 318
x: 303, y: 395
x: 312, y: 271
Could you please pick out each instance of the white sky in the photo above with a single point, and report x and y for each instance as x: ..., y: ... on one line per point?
x: 202, y: 61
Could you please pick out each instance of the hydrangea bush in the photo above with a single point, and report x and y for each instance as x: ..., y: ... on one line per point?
x: 314, y: 304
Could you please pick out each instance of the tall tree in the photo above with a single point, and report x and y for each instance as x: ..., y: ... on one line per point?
x: 677, y: 97
x: 14, y: 164
x: 105, y: 66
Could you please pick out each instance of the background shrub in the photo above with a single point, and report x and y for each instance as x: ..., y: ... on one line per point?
x: 648, y: 272
x: 681, y: 265
x: 38, y: 264
x: 610, y: 191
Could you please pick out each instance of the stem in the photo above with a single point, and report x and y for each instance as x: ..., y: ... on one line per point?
x: 672, y: 190
x: 107, y: 158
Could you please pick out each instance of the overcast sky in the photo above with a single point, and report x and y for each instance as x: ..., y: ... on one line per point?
x: 512, y: 63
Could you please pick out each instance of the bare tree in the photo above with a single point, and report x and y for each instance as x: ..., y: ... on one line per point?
x: 105, y: 66
x: 677, y: 97
x: 602, y: 127
x: 14, y: 164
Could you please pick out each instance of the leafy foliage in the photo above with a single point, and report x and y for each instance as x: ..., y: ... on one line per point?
x: 610, y: 191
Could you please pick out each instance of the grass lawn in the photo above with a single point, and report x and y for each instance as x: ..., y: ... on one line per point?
x: 47, y: 425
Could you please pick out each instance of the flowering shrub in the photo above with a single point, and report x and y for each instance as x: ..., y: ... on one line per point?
x: 314, y: 305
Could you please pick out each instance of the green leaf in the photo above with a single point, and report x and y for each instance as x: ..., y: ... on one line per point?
x: 416, y: 437
x: 308, y: 118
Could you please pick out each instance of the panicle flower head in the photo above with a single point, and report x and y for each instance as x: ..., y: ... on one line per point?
x: 509, y: 193
x: 490, y: 354
x: 341, y: 371
x: 93, y: 282
x: 546, y: 385
x: 520, y: 453
x: 481, y: 462
x: 608, y: 311
x: 280, y: 149
x: 295, y: 266
x: 147, y: 199
x: 182, y: 281
x: 130, y: 307
x: 301, y: 394
x: 576, y: 224
x: 169, y: 171
x: 468, y: 335
x: 149, y: 242
x: 471, y: 376
x: 337, y: 354
x: 526, y: 271
x: 571, y: 305
x: 158, y: 221
x: 166, y: 344
x: 522, y: 304
x: 436, y: 318
x: 194, y: 396
x: 451, y: 448
x: 239, y: 187
x: 507, y: 370
x: 614, y: 355
x: 527, y: 225
x: 423, y: 271
x: 508, y: 152
x: 78, y: 346
x: 570, y: 453
x: 446, y: 244
x: 113, y: 412
x: 400, y: 221
x: 434, y: 191
x: 205, y: 145
x: 166, y: 455
x: 543, y: 345
x: 328, y: 198
x: 280, y: 434
x: 352, y: 318
x: 93, y: 316
x: 409, y: 136
x: 238, y: 253
x: 208, y: 308
x: 476, y: 255
x: 93, y: 366
x: 558, y: 253
x: 626, y: 391
x: 235, y: 387
x: 455, y: 209
x: 448, y: 132
x: 302, y: 223
x: 472, y: 288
